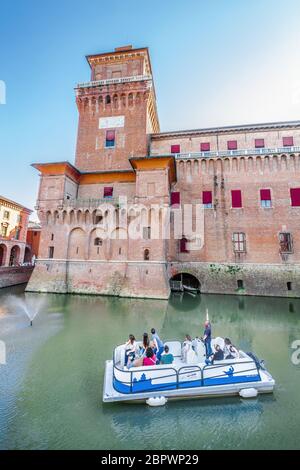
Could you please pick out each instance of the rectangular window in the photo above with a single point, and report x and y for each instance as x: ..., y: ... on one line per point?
x: 265, y: 198
x: 146, y: 233
x: 239, y: 242
x: 205, y: 147
x: 259, y: 143
x: 285, y: 242
x: 17, y: 234
x: 295, y: 197
x: 6, y: 215
x: 175, y: 198
x: 110, y: 138
x: 51, y: 251
x: 236, y: 198
x: 3, y: 230
x: 175, y: 148
x: 108, y: 191
x: 232, y: 145
x: 207, y: 199
x: 288, y: 141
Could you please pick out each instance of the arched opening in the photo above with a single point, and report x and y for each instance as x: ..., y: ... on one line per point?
x: 98, y: 241
x: 146, y: 255
x: 107, y: 99
x: 3, y: 251
x: 27, y: 255
x: 185, y: 282
x: 14, y: 256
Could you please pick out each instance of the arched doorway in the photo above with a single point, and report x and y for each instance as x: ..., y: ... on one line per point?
x: 27, y: 255
x: 3, y: 251
x: 185, y: 282
x: 14, y: 256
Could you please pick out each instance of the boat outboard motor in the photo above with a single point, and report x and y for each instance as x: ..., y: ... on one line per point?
x: 260, y: 364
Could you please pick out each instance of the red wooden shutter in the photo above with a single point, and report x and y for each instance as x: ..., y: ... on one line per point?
x: 205, y: 147
x: 288, y: 141
x: 175, y: 198
x: 175, y: 148
x: 259, y: 143
x: 110, y: 135
x: 295, y: 196
x: 207, y: 197
x: 265, y: 195
x: 232, y: 144
x: 236, y: 198
x: 108, y: 191
x: 183, y: 243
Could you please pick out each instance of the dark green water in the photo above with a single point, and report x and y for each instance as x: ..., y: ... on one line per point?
x: 51, y: 386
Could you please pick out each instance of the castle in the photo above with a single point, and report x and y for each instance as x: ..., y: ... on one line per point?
x: 245, y: 178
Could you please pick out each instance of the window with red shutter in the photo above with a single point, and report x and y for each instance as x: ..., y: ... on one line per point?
x: 108, y: 191
x: 265, y: 198
x: 207, y: 199
x: 259, y: 143
x: 110, y: 138
x: 288, y: 141
x: 236, y: 198
x: 232, y: 145
x: 182, y: 245
x: 295, y: 196
x: 205, y: 147
x: 175, y: 148
x: 175, y: 198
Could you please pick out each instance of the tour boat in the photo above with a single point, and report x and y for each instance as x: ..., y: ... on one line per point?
x: 186, y: 377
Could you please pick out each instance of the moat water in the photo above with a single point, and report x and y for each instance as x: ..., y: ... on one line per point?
x: 51, y: 386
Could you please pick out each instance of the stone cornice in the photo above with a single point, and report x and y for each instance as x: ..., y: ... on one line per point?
x: 228, y: 129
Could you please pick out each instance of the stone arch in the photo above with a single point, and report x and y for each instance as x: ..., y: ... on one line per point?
x: 48, y: 217
x: 55, y: 217
x: 115, y: 101
x: 85, y: 104
x: 93, y: 104
x: 64, y: 216
x: 79, y: 216
x: 118, y: 243
x: 3, y: 253
x: 72, y: 217
x: 87, y: 217
x: 130, y: 99
x: 138, y: 99
x: 27, y: 255
x: 185, y: 281
x: 97, y: 243
x: 100, y: 101
x: 14, y: 258
x: 77, y: 244
x: 226, y: 164
x: 123, y: 99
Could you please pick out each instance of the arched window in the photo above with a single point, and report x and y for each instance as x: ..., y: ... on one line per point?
x: 146, y: 254
x: 107, y: 99
x: 98, y: 242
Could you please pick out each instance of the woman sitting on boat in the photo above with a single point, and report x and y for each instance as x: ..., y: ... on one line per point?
x: 230, y: 351
x: 130, y: 349
x: 145, y: 344
x: 150, y: 359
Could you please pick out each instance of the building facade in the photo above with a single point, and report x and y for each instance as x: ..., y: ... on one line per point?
x: 14, y: 218
x: 244, y: 180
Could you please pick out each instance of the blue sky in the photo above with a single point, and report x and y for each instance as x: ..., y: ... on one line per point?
x: 215, y: 62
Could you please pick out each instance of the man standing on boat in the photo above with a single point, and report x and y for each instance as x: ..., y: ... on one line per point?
x: 158, y: 344
x: 207, y: 339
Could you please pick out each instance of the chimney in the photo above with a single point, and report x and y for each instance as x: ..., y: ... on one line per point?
x: 123, y: 48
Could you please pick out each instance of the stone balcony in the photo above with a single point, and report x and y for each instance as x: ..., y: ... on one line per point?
x: 236, y: 153
x: 113, y: 81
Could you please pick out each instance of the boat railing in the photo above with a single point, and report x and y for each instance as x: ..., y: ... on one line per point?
x: 178, y: 373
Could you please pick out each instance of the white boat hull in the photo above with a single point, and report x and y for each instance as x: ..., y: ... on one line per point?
x: 265, y: 385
